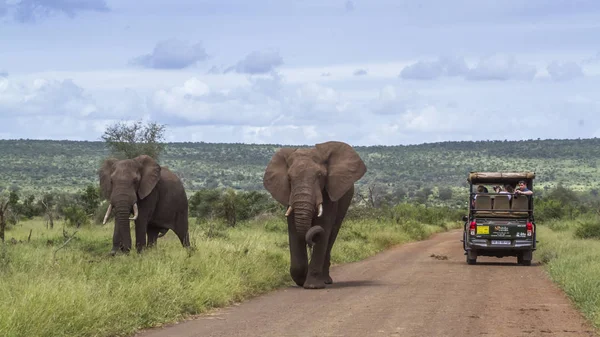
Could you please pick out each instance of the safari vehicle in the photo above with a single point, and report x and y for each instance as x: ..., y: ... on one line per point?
x: 499, y: 225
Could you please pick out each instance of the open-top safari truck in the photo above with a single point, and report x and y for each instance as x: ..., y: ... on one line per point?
x: 499, y: 223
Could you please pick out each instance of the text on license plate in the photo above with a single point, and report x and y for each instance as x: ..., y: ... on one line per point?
x: 483, y: 229
x: 501, y: 242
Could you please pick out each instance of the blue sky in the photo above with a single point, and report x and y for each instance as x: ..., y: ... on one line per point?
x: 377, y: 72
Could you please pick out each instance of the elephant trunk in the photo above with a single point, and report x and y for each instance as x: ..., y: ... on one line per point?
x: 313, y: 233
x: 303, y: 217
x: 122, y: 235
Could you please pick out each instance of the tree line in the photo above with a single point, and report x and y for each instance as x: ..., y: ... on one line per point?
x: 419, y: 182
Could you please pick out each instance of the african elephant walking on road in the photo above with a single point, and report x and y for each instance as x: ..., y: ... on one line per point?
x: 154, y: 194
x: 317, y: 186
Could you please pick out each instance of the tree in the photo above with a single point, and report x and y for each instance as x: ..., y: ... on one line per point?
x: 445, y: 193
x: 90, y: 199
x: 128, y: 141
x: 228, y: 207
x: 4, y: 204
x: 48, y: 204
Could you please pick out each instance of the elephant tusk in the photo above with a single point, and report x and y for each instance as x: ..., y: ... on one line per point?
x: 135, y: 212
x: 320, y: 210
x: 289, y: 211
x: 107, y: 214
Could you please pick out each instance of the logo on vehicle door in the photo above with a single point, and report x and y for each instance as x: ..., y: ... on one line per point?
x: 501, y: 229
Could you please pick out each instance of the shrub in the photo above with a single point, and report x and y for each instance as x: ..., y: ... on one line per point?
x: 558, y: 225
x: 588, y: 229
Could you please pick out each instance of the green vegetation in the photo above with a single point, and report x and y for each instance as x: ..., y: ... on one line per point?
x: 569, y: 246
x: 572, y: 261
x: 394, y: 172
x: 53, y: 289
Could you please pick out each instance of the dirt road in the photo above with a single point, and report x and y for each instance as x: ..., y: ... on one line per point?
x: 405, y: 292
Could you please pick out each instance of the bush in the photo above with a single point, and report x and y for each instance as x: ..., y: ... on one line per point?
x: 558, y: 225
x: 588, y: 229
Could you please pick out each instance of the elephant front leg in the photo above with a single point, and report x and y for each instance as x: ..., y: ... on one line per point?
x: 298, y: 256
x: 332, y: 237
x: 315, y: 278
x: 327, y: 262
x: 116, y: 242
x: 141, y: 230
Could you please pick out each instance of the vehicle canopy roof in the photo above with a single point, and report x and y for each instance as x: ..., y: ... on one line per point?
x: 497, y: 177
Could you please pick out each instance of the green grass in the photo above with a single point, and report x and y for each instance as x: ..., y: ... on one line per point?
x: 572, y: 262
x: 80, y: 290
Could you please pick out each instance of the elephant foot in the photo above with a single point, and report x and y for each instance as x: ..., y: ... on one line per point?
x: 314, y: 283
x: 298, y: 275
x: 113, y: 252
x: 328, y: 280
x: 299, y: 283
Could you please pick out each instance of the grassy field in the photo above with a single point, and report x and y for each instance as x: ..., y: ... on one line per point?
x: 572, y: 262
x: 78, y: 290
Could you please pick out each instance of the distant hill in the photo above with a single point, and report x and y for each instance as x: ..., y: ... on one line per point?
x: 67, y: 165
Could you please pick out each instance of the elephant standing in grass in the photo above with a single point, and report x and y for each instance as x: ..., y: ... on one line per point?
x: 316, y: 185
x: 154, y: 195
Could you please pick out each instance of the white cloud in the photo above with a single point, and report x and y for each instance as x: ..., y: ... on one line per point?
x: 44, y: 97
x: 269, y: 108
x: 195, y: 102
x: 172, y: 54
x: 501, y: 68
x: 491, y: 68
x: 564, y: 71
x: 423, y: 70
x: 258, y: 62
x: 349, y: 5
x: 27, y: 11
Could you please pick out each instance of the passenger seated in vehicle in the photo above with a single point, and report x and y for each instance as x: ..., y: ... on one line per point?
x: 507, y: 190
x: 522, y: 189
x: 480, y: 189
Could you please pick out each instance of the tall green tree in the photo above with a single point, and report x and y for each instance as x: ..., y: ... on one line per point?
x: 129, y: 140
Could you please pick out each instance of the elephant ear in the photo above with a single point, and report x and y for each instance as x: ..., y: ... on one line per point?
x: 344, y: 167
x: 276, y: 179
x: 104, y: 173
x: 150, y: 172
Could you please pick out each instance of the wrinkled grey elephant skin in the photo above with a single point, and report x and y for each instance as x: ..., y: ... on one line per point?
x: 316, y: 185
x: 154, y: 195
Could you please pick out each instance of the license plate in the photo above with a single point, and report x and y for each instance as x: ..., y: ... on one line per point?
x: 483, y: 229
x: 501, y: 242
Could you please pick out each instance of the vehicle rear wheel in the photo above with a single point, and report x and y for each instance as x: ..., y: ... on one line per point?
x: 524, y: 259
x: 471, y: 257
